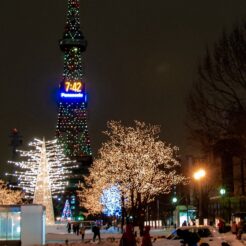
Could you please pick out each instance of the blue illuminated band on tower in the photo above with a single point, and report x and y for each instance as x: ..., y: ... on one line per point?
x: 72, y: 95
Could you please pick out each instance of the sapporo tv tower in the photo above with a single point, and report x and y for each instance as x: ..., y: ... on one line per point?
x: 72, y: 130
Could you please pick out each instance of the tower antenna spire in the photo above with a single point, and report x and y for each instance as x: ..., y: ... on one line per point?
x: 73, y: 37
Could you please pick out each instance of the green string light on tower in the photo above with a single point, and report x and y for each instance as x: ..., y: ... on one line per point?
x: 72, y: 130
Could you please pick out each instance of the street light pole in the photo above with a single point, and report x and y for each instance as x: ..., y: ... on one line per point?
x: 222, y: 193
x: 198, y: 176
x: 200, y: 203
x: 174, y: 202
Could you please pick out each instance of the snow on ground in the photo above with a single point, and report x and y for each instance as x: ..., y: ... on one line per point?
x: 57, y: 235
x: 233, y: 241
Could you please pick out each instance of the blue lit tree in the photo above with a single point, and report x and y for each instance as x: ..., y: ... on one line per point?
x: 111, y: 201
x: 66, y: 213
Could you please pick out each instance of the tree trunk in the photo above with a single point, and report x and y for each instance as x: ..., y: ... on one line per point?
x: 133, y: 208
x: 140, y: 214
x: 122, y: 212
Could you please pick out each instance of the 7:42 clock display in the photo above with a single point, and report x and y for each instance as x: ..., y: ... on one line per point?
x: 72, y: 89
x: 70, y: 86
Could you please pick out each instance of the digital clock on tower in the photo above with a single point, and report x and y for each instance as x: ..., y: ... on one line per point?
x: 73, y: 86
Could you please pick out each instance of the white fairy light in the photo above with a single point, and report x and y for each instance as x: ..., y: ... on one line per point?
x: 43, y: 173
x: 134, y: 158
x: 8, y: 196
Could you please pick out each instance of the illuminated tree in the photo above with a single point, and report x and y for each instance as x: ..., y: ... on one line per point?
x: 66, y: 213
x: 8, y: 196
x: 43, y: 173
x: 111, y: 201
x: 137, y: 162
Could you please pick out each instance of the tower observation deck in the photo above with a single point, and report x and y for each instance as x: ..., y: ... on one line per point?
x: 72, y: 130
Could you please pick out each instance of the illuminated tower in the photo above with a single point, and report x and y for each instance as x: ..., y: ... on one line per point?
x: 72, y: 129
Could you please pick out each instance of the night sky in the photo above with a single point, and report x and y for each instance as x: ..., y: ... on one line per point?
x: 139, y: 65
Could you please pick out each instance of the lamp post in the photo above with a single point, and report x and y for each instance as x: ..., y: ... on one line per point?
x: 174, y: 202
x: 222, y: 193
x: 226, y: 212
x: 198, y: 175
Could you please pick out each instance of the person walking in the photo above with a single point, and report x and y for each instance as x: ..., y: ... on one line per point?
x: 82, y: 232
x: 146, y: 241
x: 77, y: 229
x: 221, y: 226
x: 68, y: 227
x: 74, y: 228
x: 128, y: 238
x: 240, y: 229
x: 234, y: 227
x: 96, y: 231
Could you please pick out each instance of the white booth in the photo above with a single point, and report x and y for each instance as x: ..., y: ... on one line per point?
x: 22, y: 225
